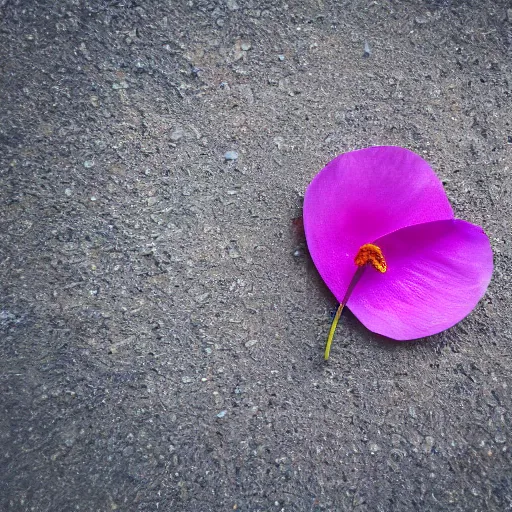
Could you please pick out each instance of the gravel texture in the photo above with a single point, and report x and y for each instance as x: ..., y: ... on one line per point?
x: 161, y: 324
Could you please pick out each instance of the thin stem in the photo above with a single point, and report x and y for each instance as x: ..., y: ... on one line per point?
x: 331, y: 332
x: 351, y: 286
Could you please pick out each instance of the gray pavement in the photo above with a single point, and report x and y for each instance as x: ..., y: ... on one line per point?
x: 161, y: 324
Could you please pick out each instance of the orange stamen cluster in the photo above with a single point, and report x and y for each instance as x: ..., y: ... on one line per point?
x: 369, y: 253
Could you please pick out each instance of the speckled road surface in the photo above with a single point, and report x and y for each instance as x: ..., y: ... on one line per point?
x: 161, y: 324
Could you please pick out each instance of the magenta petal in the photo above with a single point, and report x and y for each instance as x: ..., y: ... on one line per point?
x: 437, y: 272
x: 361, y: 196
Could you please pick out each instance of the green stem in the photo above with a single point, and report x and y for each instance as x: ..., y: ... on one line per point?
x: 331, y: 331
x: 351, y: 286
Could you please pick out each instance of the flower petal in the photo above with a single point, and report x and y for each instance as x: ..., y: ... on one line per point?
x: 361, y: 196
x: 436, y: 274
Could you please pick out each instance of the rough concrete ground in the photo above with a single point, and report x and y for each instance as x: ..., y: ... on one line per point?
x: 161, y: 325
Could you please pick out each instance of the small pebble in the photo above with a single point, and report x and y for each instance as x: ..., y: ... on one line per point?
x: 94, y: 198
x: 279, y: 142
x: 68, y: 192
x: 177, y: 134
x: 246, y: 47
x: 234, y: 253
x: 280, y: 57
x: 367, y: 50
x: 120, y: 85
x: 500, y: 438
x: 374, y: 448
x: 88, y: 164
x: 429, y: 444
x: 203, y: 297
x: 187, y: 380
x: 221, y: 414
x: 231, y: 155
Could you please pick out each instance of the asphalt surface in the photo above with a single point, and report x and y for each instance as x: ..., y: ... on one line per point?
x: 161, y: 323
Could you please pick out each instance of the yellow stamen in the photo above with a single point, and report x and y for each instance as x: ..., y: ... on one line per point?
x: 369, y: 253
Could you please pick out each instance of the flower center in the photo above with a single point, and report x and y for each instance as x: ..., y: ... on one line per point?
x: 369, y: 253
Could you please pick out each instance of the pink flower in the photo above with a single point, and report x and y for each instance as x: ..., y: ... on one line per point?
x: 383, y: 236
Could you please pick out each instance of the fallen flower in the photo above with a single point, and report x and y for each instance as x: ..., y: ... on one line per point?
x: 383, y: 236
